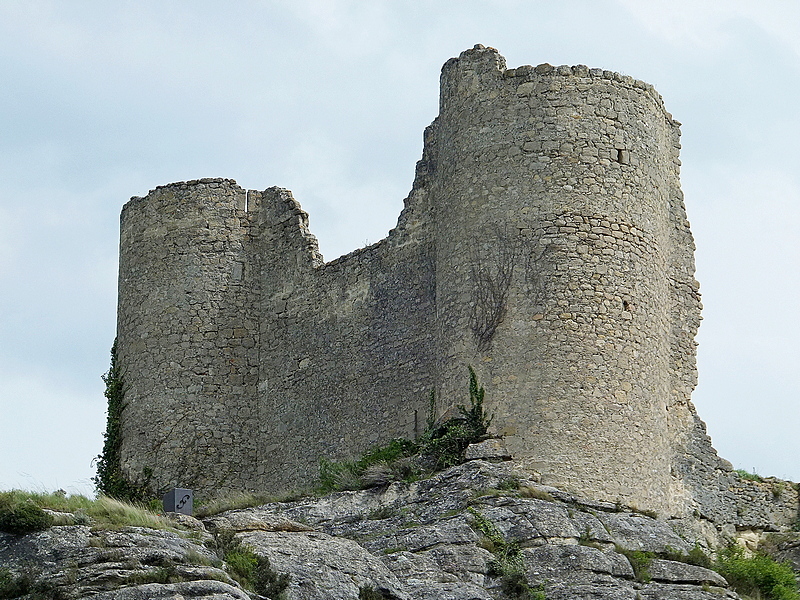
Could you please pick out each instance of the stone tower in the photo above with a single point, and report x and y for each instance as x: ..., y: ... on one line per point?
x: 544, y: 242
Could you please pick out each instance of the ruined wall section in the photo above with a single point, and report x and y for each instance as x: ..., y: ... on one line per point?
x: 347, y: 346
x: 574, y: 167
x: 188, y: 336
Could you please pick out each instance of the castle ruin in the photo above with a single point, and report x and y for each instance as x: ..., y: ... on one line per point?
x: 544, y: 242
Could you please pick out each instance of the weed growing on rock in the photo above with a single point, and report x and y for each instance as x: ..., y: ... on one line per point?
x: 532, y: 492
x: 367, y: 592
x: 507, y: 563
x: 379, y: 465
x: 104, y: 512
x: 696, y: 556
x: 13, y: 586
x: 164, y: 574
x: 587, y: 539
x: 743, y: 474
x: 384, y: 512
x: 758, y: 576
x: 25, y: 584
x: 112, y: 512
x: 253, y: 572
x: 509, y: 484
x: 640, y: 561
x: 444, y: 444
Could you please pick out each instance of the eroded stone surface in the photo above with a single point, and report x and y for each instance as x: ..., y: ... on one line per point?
x: 441, y: 538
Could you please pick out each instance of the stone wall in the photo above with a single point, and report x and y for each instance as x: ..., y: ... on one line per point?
x: 544, y: 242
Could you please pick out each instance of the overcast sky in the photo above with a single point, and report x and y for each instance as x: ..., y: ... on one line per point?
x: 101, y: 101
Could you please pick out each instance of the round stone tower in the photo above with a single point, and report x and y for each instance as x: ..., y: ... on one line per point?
x: 187, y: 337
x: 563, y: 258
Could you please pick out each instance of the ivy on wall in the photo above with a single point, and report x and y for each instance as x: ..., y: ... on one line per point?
x: 110, y: 479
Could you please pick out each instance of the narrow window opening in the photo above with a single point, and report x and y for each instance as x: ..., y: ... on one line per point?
x: 246, y: 199
x: 238, y: 271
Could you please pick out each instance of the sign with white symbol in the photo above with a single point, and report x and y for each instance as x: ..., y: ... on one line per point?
x: 178, y: 500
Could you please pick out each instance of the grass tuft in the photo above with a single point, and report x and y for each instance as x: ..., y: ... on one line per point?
x: 107, y: 511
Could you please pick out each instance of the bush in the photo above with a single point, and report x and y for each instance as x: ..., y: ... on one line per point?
x: 368, y: 592
x: 696, y: 556
x: 378, y: 466
x: 640, y: 562
x: 748, y: 475
x: 444, y: 444
x: 20, y: 515
x: 759, y: 576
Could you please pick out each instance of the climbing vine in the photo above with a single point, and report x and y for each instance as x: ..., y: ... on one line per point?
x: 110, y: 480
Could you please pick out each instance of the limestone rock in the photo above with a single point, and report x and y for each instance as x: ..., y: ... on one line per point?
x: 444, y: 538
x: 492, y: 450
x: 678, y: 572
x: 197, y: 590
x: 323, y: 566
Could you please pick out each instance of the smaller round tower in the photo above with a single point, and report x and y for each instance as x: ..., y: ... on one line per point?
x: 187, y: 336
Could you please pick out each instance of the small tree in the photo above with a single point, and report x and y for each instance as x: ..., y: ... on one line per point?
x: 445, y: 443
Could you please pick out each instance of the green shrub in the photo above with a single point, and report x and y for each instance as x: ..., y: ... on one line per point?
x: 25, y: 584
x: 21, y: 515
x: 104, y: 511
x: 507, y: 563
x: 696, y: 556
x: 442, y: 445
x: 164, y: 574
x: 368, y: 592
x: 509, y: 484
x: 759, y: 575
x: 378, y: 465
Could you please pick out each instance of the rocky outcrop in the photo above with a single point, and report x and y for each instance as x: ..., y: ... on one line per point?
x: 450, y: 537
